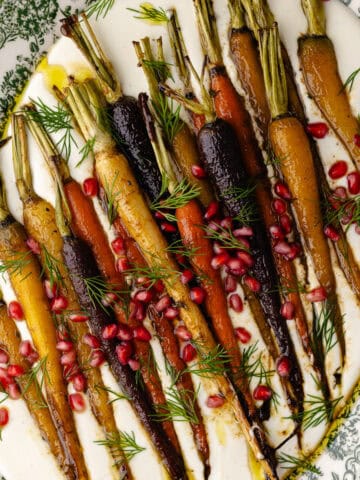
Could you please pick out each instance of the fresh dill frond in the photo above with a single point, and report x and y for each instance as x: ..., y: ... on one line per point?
x: 289, y: 461
x: 160, y: 68
x: 123, y: 442
x: 251, y: 367
x: 116, y: 395
x: 86, y: 150
x: 209, y: 364
x: 319, y: 410
x: 100, y: 8
x: 111, y: 198
x: 152, y: 274
x: 98, y: 289
x: 181, y: 196
x: 324, y: 328
x: 149, y: 364
x: 55, y: 119
x: 349, y: 82
x: 178, y: 248
x: 51, y: 268
x: 173, y: 373
x: 239, y: 193
x: 347, y: 208
x: 148, y: 12
x: 180, y: 406
x: 225, y: 237
x: 16, y: 265
x: 37, y: 375
x: 168, y: 117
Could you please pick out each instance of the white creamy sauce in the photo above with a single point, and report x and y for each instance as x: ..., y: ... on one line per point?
x: 228, y: 449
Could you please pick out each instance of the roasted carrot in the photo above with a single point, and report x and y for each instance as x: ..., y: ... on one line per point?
x: 86, y: 225
x: 320, y: 70
x: 112, y: 168
x: 40, y: 223
x: 10, y: 341
x: 290, y: 143
x: 29, y: 290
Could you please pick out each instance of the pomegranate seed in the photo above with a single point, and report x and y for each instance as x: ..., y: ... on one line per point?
x: 33, y: 357
x: 141, y: 333
x: 109, y: 299
x: 163, y: 303
x: 357, y: 229
x: 213, y: 226
x: 78, y: 317
x: 211, y: 210
x: 276, y: 232
x: 244, y: 243
x: 262, y: 392
x: 197, y: 295
x: 15, y: 370
x: 140, y: 314
x: 79, y: 382
x: 124, y: 352
x: 353, y: 181
x: 279, y: 206
x: 4, y: 357
x: 58, y: 304
x: 186, y: 276
x: 122, y: 264
x: 171, y: 313
x: 227, y: 223
x: 188, y: 353
x: 91, y: 187
x: 110, y: 331
x: 181, y: 260
x: 283, y: 366
x: 349, y: 213
x: 252, y: 283
x: 243, y: 335
x: 15, y: 310
x: 218, y: 248
x: 236, y: 266
x: 287, y: 310
x: 33, y: 245
x: 285, y: 223
x: 243, y: 232
x: 295, y: 249
x: 357, y: 139
x: 236, y: 303
x: 317, y: 129
x: 159, y: 286
x: 13, y: 391
x: 70, y: 370
x: 332, y: 233
x: 168, y: 227
x: 282, y: 248
x: 317, y: 295
x: 245, y: 257
x: 340, y: 192
x: 97, y: 358
x: 124, y: 332
x: 144, y: 296
x: 219, y: 260
x: 50, y: 289
x: 5, y: 378
x: 183, y: 333
x: 91, y: 340
x: 198, y: 171
x: 68, y: 358
x: 282, y: 190
x: 134, y: 364
x: 159, y: 215
x: 118, y: 246
x: 215, y: 401
x: 4, y: 416
x: 64, y: 346
x: 338, y: 169
x: 230, y: 284
x: 77, y: 402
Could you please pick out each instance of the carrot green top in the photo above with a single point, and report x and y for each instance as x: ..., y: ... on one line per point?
x: 315, y: 15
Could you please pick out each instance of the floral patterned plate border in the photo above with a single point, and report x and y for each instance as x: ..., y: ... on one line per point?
x: 27, y: 29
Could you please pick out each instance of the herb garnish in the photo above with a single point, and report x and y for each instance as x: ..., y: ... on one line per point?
x: 168, y: 117
x: 289, y: 461
x: 149, y: 12
x: 225, y: 237
x: 123, y: 442
x: 180, y: 406
x: 98, y: 288
x: 51, y: 268
x: 32, y: 377
x: 213, y: 362
x: 100, y: 8
x: 117, y: 396
x: 86, y: 150
x: 320, y: 410
x: 349, y: 82
x: 178, y: 248
x: 16, y: 265
x: 111, y: 198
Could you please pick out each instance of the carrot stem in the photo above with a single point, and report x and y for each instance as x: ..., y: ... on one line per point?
x: 237, y: 19
x: 315, y: 15
x: 209, y: 36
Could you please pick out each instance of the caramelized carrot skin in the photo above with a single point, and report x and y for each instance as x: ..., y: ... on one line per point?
x: 245, y: 54
x: 30, y: 293
x: 319, y: 66
x: 10, y: 340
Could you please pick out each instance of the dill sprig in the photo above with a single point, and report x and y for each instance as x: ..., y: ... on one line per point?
x: 214, y: 362
x: 51, y: 268
x: 111, y: 198
x: 180, y: 406
x: 251, y: 367
x: 351, y: 206
x: 178, y: 248
x: 168, y: 117
x: 152, y: 274
x: 123, y: 442
x: 150, y: 13
x: 179, y: 197
x: 86, y: 150
x: 320, y: 410
x: 98, y: 288
x: 16, y: 265
x: 289, y: 461
x: 225, y: 237
x: 32, y: 376
x: 100, y: 8
x: 349, y: 82
x: 160, y: 68
x: 54, y: 119
x: 324, y: 331
x: 240, y: 193
x: 116, y: 395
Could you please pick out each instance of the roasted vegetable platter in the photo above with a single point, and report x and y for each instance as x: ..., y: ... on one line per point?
x: 179, y: 245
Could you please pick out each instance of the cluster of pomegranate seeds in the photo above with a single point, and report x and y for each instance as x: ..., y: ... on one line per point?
x: 91, y: 187
x: 215, y: 401
x: 15, y: 310
x: 8, y: 375
x: 317, y: 129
